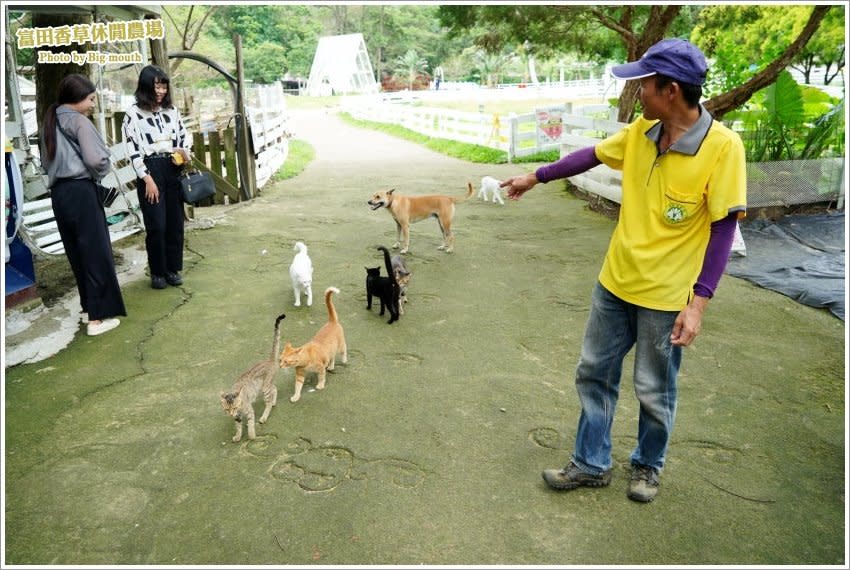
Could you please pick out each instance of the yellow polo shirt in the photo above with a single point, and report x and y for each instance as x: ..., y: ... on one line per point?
x: 669, y: 202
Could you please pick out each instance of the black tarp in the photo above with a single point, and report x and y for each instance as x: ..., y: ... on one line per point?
x: 801, y: 256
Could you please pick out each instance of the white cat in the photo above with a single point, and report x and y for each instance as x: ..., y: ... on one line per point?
x: 301, y: 273
x: 488, y: 183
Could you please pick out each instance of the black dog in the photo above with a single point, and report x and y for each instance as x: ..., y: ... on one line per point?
x: 386, y: 289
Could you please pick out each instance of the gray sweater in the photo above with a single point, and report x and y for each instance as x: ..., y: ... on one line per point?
x: 67, y: 163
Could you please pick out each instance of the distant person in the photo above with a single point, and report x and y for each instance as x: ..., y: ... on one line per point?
x: 438, y: 77
x: 684, y: 188
x: 75, y: 158
x: 157, y: 145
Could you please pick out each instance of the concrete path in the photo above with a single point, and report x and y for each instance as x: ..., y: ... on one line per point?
x: 427, y: 447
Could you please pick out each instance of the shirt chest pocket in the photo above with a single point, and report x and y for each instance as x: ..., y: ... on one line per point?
x: 678, y: 208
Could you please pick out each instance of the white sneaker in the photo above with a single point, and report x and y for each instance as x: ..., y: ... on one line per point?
x: 84, y: 317
x: 103, y: 326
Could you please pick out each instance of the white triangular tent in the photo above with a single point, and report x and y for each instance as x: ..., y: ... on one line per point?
x: 341, y: 65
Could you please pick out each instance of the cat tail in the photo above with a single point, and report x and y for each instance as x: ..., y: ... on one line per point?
x: 300, y: 247
x: 276, y: 343
x: 332, y: 316
x: 469, y: 192
x: 388, y: 263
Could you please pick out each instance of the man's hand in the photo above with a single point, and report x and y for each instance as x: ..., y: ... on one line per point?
x: 688, y: 322
x: 519, y: 185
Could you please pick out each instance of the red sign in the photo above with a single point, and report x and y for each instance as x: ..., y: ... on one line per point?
x: 549, y: 125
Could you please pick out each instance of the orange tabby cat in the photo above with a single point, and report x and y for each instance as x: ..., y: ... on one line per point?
x: 319, y: 354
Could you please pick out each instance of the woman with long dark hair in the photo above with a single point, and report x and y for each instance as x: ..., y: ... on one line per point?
x: 75, y: 157
x: 157, y: 143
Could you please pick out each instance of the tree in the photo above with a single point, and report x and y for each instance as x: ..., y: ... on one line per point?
x: 653, y: 30
x: 389, y: 31
x: 412, y: 65
x: 741, y: 39
x: 825, y: 48
x: 47, y: 77
x: 187, y: 23
x: 265, y: 63
x: 734, y: 98
x: 491, y: 65
x: 295, y: 28
x: 566, y: 28
x: 550, y: 29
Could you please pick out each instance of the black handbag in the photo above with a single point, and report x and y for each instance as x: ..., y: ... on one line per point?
x: 196, y: 186
x: 106, y: 196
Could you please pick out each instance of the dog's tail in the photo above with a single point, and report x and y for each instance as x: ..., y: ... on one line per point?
x: 300, y: 247
x: 332, y: 316
x: 469, y: 192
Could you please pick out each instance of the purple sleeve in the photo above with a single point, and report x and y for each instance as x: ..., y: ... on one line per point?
x: 716, y: 255
x: 574, y: 163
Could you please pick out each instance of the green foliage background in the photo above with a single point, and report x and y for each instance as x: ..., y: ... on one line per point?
x: 493, y: 44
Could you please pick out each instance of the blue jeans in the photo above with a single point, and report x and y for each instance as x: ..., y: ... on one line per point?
x: 613, y: 328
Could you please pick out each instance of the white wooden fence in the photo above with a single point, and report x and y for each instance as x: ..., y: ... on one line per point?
x: 211, y: 109
x: 518, y: 135
x: 600, y: 180
x: 567, y: 128
x: 269, y: 120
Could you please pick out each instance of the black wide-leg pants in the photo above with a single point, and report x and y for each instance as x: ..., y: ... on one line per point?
x: 164, y: 219
x: 82, y: 225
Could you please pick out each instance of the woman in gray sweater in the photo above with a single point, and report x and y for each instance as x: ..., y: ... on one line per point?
x: 75, y: 157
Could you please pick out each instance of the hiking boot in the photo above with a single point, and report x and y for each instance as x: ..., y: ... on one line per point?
x: 571, y: 477
x: 158, y: 282
x: 643, y: 483
x: 173, y: 279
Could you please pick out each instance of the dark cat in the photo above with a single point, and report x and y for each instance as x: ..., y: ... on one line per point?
x: 386, y: 289
x: 402, y: 277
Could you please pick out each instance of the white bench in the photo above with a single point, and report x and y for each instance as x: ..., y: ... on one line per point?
x: 38, y: 227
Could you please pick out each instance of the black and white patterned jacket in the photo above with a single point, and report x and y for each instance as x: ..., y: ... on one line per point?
x: 153, y: 132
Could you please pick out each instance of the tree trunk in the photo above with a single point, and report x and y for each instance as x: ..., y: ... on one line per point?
x: 805, y: 67
x: 731, y: 100
x: 839, y: 63
x: 190, y: 34
x: 659, y: 21
x: 827, y: 78
x: 628, y: 101
x: 378, y: 63
x: 340, y: 18
x: 159, y: 55
x: 48, y: 75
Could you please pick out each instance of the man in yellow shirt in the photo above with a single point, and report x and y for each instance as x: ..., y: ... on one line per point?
x: 684, y: 187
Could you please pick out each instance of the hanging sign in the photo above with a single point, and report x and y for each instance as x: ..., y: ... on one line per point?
x: 550, y: 125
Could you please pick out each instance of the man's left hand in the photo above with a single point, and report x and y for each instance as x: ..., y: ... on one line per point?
x: 688, y: 322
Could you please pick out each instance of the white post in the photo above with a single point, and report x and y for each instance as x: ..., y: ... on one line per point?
x: 513, y: 140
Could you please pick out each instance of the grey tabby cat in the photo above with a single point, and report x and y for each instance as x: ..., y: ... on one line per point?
x: 402, y: 277
x: 239, y: 402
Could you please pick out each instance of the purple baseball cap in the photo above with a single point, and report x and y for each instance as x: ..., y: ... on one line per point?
x: 679, y: 59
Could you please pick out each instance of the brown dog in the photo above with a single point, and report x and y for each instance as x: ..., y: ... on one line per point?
x: 406, y: 210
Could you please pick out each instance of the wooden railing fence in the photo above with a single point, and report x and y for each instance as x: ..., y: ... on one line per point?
x: 214, y: 152
x: 518, y: 135
x: 573, y: 127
